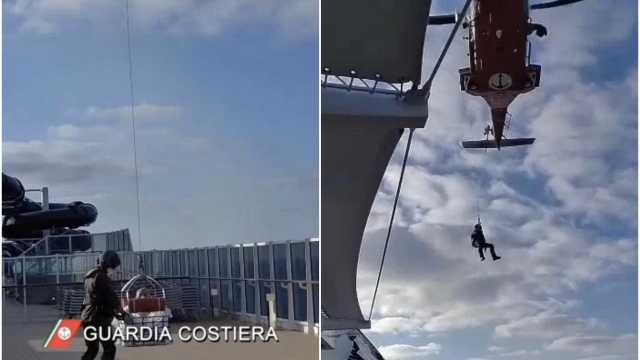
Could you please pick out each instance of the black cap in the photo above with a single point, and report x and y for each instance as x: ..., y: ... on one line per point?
x: 478, y: 226
x: 110, y: 260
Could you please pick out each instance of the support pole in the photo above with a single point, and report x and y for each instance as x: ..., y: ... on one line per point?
x: 45, y: 206
x: 24, y: 287
x: 308, y: 285
x: 271, y: 300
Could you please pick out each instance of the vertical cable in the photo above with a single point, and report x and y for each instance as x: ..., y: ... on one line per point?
x: 393, y: 214
x: 459, y: 21
x: 133, y: 126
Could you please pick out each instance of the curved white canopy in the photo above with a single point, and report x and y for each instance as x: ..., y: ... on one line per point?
x: 359, y: 134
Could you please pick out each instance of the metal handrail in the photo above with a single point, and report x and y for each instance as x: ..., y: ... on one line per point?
x: 377, y: 86
x: 39, y: 241
x: 33, y: 246
x: 68, y: 270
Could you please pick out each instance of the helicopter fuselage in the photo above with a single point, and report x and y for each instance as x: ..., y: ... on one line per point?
x: 499, y: 68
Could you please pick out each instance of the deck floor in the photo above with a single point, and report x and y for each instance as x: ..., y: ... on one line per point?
x: 23, y: 334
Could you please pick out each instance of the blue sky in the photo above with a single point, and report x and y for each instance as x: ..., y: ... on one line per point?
x: 562, y: 213
x: 226, y: 103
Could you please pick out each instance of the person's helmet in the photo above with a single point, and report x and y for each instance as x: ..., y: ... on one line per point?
x: 478, y: 227
x: 110, y: 259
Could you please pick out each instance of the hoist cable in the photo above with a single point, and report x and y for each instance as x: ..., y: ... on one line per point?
x: 427, y: 84
x: 393, y: 213
x: 133, y: 126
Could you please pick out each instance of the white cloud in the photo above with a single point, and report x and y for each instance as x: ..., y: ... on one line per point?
x: 61, y: 160
x: 395, y: 325
x: 581, y: 132
x: 625, y: 345
x: 181, y: 167
x: 294, y: 18
x: 611, y: 357
x: 90, y: 155
x: 84, y: 152
x: 545, y: 325
x: 573, y: 40
x: 43, y: 16
x: 403, y: 351
x: 520, y: 353
x: 143, y: 112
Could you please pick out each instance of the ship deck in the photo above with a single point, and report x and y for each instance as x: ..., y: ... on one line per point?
x: 23, y: 334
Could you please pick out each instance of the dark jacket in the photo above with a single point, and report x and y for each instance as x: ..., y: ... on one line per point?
x: 100, y: 303
x: 477, y: 238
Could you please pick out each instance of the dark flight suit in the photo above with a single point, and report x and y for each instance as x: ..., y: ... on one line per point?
x: 100, y: 306
x: 481, y: 242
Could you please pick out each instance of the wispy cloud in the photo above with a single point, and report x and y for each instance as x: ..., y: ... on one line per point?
x: 293, y: 18
x: 623, y: 345
x: 143, y: 112
x: 84, y: 151
x: 404, y: 351
x: 547, y: 325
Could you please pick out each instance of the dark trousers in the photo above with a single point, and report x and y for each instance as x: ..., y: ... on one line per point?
x: 485, y: 246
x: 108, y: 347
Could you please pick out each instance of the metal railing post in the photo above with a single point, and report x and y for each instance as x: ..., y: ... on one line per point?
x: 272, y: 277
x: 24, y: 287
x: 243, y: 290
x: 230, y: 275
x: 290, y: 308
x: 58, y: 269
x: 256, y: 276
x: 58, y: 266
x: 45, y: 206
x: 309, y: 286
x: 216, y: 272
x: 209, y: 294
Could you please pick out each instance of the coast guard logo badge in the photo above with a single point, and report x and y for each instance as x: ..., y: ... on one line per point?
x: 62, y: 334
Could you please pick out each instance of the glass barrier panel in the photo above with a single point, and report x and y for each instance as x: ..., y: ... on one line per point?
x: 224, y: 262
x: 247, y: 254
x: 299, y: 303
x: 264, y: 266
x: 250, y: 296
x: 282, y: 300
x: 213, y: 262
x: 280, y: 261
x: 226, y: 295
x: 266, y: 287
x: 315, y: 261
x: 298, y: 263
x: 237, y: 295
x: 235, y: 262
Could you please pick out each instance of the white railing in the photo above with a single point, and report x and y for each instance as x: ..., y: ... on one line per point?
x: 64, y: 244
x: 233, y: 279
x: 354, y: 82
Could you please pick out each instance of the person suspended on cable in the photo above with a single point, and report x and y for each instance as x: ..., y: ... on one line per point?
x: 478, y: 241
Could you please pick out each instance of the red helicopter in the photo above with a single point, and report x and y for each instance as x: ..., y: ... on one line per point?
x: 499, y: 59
